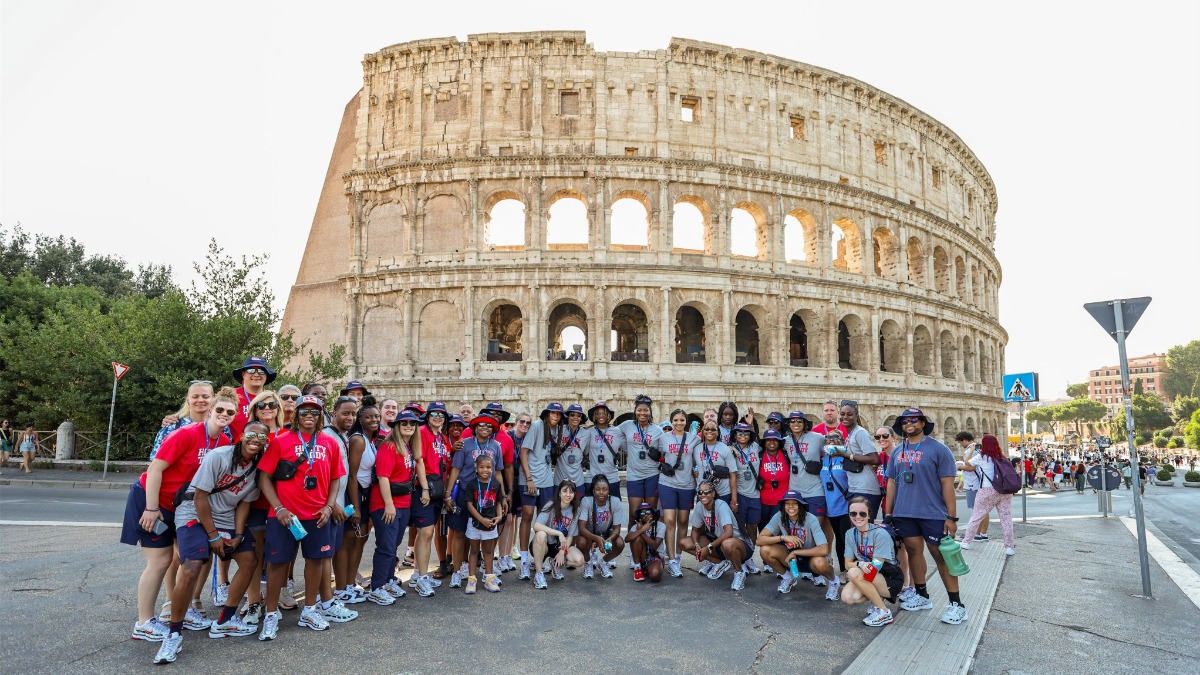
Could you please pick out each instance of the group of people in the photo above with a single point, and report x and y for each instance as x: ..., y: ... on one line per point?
x: 13, y: 442
x: 259, y: 477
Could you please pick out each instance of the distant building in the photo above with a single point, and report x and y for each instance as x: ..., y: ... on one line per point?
x: 1104, y: 384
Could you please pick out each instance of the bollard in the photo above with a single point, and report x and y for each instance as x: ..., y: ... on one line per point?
x: 64, y: 442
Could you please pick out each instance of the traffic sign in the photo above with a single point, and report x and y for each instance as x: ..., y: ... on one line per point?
x: 1112, y: 478
x: 1103, y: 442
x: 1131, y: 310
x: 119, y: 369
x: 1020, y: 387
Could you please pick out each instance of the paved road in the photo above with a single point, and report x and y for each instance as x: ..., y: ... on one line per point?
x: 61, y: 504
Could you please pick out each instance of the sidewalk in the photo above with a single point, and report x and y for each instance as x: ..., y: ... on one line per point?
x: 73, y: 474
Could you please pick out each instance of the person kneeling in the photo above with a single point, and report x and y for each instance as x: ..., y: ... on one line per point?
x: 601, y: 518
x: 793, y: 543
x: 871, y: 571
x: 647, y: 545
x: 715, y: 539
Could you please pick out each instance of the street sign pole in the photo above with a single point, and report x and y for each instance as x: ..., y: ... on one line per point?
x: 1024, y: 479
x: 1103, y: 489
x: 108, y: 443
x: 1139, y: 513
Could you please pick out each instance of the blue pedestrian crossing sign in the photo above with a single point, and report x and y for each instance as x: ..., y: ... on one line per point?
x: 1020, y: 387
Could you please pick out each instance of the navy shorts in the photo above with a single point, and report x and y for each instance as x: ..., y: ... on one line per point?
x: 674, y: 498
x: 281, y: 545
x: 542, y: 498
x: 425, y: 516
x: 642, y: 489
x: 873, y: 502
x: 929, y: 529
x: 614, y: 489
x: 132, y: 532
x: 257, y: 520
x: 457, y: 521
x: 750, y: 510
x: 747, y: 550
x: 192, y: 542
x: 817, y: 507
x: 768, y: 512
x: 336, y: 532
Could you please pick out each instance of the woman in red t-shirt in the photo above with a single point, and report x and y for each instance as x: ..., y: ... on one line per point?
x: 396, y: 466
x: 435, y: 455
x: 774, y: 472
x: 150, y: 507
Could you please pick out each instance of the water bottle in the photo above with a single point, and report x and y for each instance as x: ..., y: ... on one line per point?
x: 349, y: 510
x: 694, y: 428
x: 873, y: 568
x: 607, y: 546
x: 952, y: 554
x: 795, y: 569
x: 297, y: 529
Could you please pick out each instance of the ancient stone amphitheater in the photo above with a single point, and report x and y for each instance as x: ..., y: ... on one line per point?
x: 518, y: 217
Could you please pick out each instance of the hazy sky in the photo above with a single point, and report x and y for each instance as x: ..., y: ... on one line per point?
x: 144, y: 128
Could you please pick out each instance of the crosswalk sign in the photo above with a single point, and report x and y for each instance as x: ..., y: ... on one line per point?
x: 1020, y: 387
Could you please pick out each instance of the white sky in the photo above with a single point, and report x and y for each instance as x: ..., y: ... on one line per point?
x: 144, y: 128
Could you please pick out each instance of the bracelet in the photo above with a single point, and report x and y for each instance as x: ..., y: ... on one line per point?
x: 152, y: 510
x: 214, y: 539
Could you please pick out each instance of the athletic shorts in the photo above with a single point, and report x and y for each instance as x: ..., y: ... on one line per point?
x: 747, y: 550
x: 131, y: 529
x: 425, y: 516
x: 750, y: 510
x: 257, y: 520
x: 457, y: 520
x: 614, y: 489
x: 971, y: 498
x: 336, y: 532
x: 894, y: 577
x: 281, y: 545
x: 728, y: 499
x: 817, y: 507
x: 542, y: 498
x: 768, y: 512
x: 642, y: 489
x: 930, y: 529
x: 674, y: 498
x: 192, y: 542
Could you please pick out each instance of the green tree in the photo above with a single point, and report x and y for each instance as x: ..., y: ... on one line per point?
x: 1160, y: 441
x: 1148, y: 415
x: 1080, y: 411
x: 1137, y: 386
x: 1079, y: 390
x: 1183, y: 407
x: 1191, y: 433
x: 1044, y: 416
x: 1182, y: 376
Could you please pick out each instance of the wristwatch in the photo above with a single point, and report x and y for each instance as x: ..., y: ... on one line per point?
x: 952, y: 519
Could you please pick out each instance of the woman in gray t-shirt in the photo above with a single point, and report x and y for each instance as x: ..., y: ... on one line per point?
x: 676, y: 486
x: 554, y: 532
x: 872, y: 574
x: 641, y: 470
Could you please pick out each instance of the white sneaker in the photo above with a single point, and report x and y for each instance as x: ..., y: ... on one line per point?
x: 234, y: 627
x: 750, y: 568
x: 253, y: 613
x: 152, y: 630
x: 524, y: 570
x: 954, y: 614
x: 270, y: 626
x: 456, y: 580
x: 222, y: 595
x: 807, y: 575
x: 612, y: 564
x: 433, y: 583
x: 393, y: 587
x: 337, y: 612
x: 739, y: 581
x: 817, y: 580
x: 605, y: 570
x: 195, y: 620
x: 310, y: 617
x: 507, y: 564
x: 787, y: 584
x: 595, y: 559
x: 906, y: 594
x: 719, y: 569
x: 834, y: 587
x: 350, y: 595
x: 547, y: 565
x: 424, y: 588
x: 539, y: 581
x: 556, y: 573
x: 1008, y: 550
x: 673, y: 568
x: 916, y: 603
x: 380, y: 596
x: 588, y: 572
x: 171, y: 646
x: 878, y: 618
x: 706, y: 567
x: 966, y: 545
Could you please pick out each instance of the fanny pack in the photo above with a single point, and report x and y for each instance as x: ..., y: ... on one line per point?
x: 669, y: 471
x: 286, y: 470
x: 401, y: 489
x: 437, y: 487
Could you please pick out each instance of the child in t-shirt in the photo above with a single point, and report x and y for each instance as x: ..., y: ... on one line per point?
x: 484, y: 498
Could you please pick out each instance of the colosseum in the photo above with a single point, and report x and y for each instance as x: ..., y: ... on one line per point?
x: 519, y: 217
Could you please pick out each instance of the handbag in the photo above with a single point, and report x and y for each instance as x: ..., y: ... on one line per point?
x: 437, y: 487
x: 670, y: 470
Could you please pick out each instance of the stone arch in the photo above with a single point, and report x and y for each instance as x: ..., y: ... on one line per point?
x: 948, y: 348
x: 891, y: 347
x: 567, y: 317
x: 691, y: 224
x: 630, y: 338
x: 504, y: 331
x: 887, y: 422
x: 748, y: 230
x: 800, y: 236
x: 969, y: 424
x: 439, y: 334
x: 567, y: 225
x: 690, y: 333
x: 799, y: 350
x: 846, y: 242
x: 504, y: 225
x: 941, y: 269
x: 629, y: 224
x: 749, y: 345
x: 916, y: 262
x: 381, y: 341
x: 960, y: 279
x: 949, y: 429
x: 968, y: 358
x: 887, y: 254
x: 922, y: 351
x: 854, y: 346
x: 385, y: 231
x: 444, y: 226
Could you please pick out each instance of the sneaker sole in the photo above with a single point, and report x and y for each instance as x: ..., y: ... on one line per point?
x: 915, y: 609
x: 380, y: 602
x: 311, y: 626
x: 147, y: 638
x: 196, y: 627
x: 340, y: 619
x: 218, y: 636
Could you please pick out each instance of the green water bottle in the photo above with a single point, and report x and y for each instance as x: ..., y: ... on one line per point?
x: 952, y: 554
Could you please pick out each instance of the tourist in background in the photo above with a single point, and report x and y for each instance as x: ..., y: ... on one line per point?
x: 989, y: 498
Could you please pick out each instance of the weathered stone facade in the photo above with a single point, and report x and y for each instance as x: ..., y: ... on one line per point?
x: 893, y: 302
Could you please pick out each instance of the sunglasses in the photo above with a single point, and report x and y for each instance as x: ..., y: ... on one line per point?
x: 209, y: 382
x: 710, y: 431
x: 255, y: 371
x: 224, y: 411
x: 523, y: 422
x: 407, y: 423
x: 911, y: 420
x: 852, y: 404
x: 880, y: 437
x: 858, y: 514
x: 484, y: 424
x: 254, y: 436
x: 263, y: 405
x: 774, y: 422
x: 308, y: 412
x: 438, y: 414
x: 290, y: 397
x: 704, y: 493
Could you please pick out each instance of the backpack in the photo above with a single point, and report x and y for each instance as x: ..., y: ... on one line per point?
x: 1005, y: 479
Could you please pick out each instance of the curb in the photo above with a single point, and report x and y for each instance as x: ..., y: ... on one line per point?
x: 80, y: 484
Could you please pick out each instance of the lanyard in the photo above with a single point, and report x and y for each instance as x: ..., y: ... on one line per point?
x: 858, y: 546
x: 308, y: 447
x: 794, y: 529
x: 744, y: 455
x: 554, y: 442
x: 216, y: 440
x: 571, y: 440
x: 908, y: 454
x: 796, y: 447
x: 708, y: 455
x: 642, y: 434
x: 483, y: 493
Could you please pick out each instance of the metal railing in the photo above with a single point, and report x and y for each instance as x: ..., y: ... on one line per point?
x: 90, y: 444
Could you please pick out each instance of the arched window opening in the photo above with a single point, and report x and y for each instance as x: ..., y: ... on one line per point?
x: 922, y: 351
x: 854, y: 351
x: 960, y: 279
x: 891, y: 347
x: 949, y: 430
x: 746, y: 345
x: 976, y: 289
x: 887, y: 254
x: 941, y: 269
x: 567, y: 334
x: 946, y: 340
x: 630, y: 224
x: 505, y: 228
x: 968, y: 359
x: 916, y: 262
x: 567, y: 228
x: 505, y: 330
x: 846, y: 245
x: 689, y: 228
x: 745, y: 231
x: 970, y: 424
x: 689, y: 335
x: 630, y: 334
x: 798, y: 342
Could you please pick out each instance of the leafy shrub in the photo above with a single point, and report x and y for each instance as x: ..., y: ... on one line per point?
x: 1164, y: 474
x: 1192, y: 476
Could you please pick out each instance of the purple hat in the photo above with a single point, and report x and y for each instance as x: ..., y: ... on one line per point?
x: 553, y: 407
x: 254, y: 362
x: 351, y: 386
x: 912, y: 412
x: 591, y: 413
x: 496, y: 411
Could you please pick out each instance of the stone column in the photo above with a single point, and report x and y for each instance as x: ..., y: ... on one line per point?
x: 474, y: 234
x: 533, y: 326
x: 725, y: 333
x: 776, y: 235
x: 471, y: 352
x: 666, y: 349
x: 876, y: 359
x: 664, y: 236
x: 409, y: 337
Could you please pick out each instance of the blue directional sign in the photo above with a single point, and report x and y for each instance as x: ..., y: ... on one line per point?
x: 1021, y: 387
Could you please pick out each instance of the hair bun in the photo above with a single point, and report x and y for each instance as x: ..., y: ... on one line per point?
x: 368, y: 400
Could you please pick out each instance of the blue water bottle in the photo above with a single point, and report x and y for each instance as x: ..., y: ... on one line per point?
x: 297, y: 529
x: 694, y: 428
x: 349, y: 510
x: 795, y: 569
